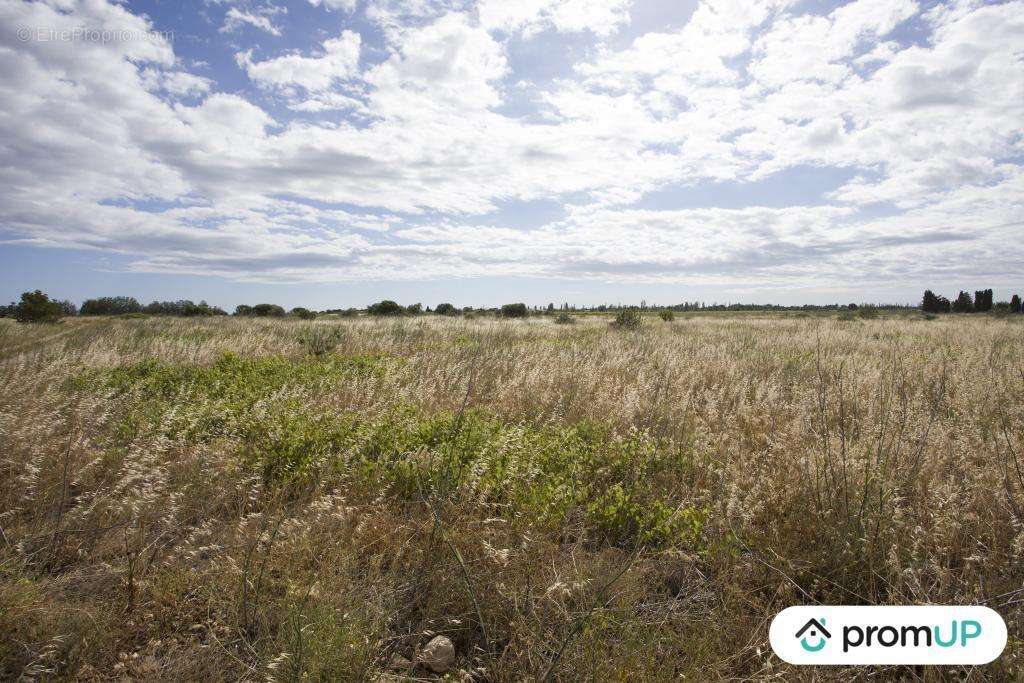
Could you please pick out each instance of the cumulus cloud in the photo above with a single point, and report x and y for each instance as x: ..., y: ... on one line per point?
x: 403, y: 158
x: 235, y: 18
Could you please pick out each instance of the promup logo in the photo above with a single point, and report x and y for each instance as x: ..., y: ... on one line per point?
x: 888, y: 635
x: 817, y: 630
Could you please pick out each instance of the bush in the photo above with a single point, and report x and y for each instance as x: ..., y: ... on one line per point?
x: 667, y: 316
x: 446, y: 309
x: 302, y: 313
x: 36, y: 307
x: 268, y: 310
x: 243, y: 310
x: 320, y: 340
x: 867, y: 312
x: 628, y: 319
x: 111, y: 305
x: 386, y: 307
x: 184, y: 308
x: 564, y: 318
x: 415, y: 309
x: 513, y: 311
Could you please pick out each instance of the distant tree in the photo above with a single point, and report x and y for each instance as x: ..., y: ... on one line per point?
x: 963, y: 303
x: 184, y: 308
x: 111, y: 305
x: 302, y: 313
x: 930, y: 302
x: 36, y: 307
x: 243, y: 310
x: 415, y: 309
x: 386, y: 307
x: 551, y: 308
x: 268, y: 311
x: 852, y: 307
x: 8, y: 311
x: 68, y: 308
x: 983, y: 300
x: 513, y: 311
x: 1015, y: 304
x: 349, y: 312
x: 445, y: 309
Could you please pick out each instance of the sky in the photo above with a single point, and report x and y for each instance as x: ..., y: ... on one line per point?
x: 331, y: 153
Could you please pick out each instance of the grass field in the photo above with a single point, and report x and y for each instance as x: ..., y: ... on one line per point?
x: 239, y: 499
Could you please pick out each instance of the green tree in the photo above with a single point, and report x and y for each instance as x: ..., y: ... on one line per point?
x: 963, y: 303
x: 446, y: 309
x: 302, y: 313
x: 36, y: 307
x: 268, y: 310
x: 386, y: 307
x: 513, y: 311
x: 1015, y: 304
x: 111, y: 305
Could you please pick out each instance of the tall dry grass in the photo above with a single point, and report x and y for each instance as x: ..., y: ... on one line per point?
x: 244, y: 500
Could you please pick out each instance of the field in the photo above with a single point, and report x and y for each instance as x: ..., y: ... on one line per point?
x: 243, y: 499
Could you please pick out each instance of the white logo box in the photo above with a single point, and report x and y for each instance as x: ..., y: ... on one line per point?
x: 863, y: 635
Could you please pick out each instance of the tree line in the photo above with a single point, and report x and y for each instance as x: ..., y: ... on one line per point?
x: 981, y: 302
x: 37, y: 306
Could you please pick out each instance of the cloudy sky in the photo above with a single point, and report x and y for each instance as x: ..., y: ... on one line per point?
x: 334, y: 152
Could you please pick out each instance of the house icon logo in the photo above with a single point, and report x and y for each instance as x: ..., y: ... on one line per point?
x: 815, y: 631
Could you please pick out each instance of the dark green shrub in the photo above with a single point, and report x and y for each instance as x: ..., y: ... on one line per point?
x: 446, y: 309
x: 667, y: 315
x: 111, y: 305
x: 513, y: 311
x: 268, y: 310
x: 302, y: 313
x: 628, y: 319
x: 386, y: 307
x: 319, y: 340
x: 564, y: 318
x: 36, y: 307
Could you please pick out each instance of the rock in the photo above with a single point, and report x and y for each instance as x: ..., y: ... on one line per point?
x: 438, y: 655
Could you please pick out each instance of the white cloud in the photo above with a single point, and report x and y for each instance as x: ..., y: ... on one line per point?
x: 339, y: 61
x: 440, y: 138
x: 336, y: 5
x: 602, y: 17
x: 235, y: 18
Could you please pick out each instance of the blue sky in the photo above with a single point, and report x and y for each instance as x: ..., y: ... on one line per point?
x: 330, y: 153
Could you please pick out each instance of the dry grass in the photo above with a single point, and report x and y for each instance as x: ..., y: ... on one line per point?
x: 248, y: 500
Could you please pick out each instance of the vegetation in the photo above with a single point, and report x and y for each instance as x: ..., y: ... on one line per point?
x: 211, y: 498
x: 184, y: 309
x: 385, y: 308
x: 446, y: 309
x: 667, y: 315
x: 36, y: 307
x: 628, y: 319
x: 111, y: 305
x: 514, y: 311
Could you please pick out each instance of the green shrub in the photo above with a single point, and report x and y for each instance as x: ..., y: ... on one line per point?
x: 667, y: 315
x: 513, y: 311
x: 319, y: 340
x: 564, y: 318
x: 628, y: 319
x: 36, y: 307
x: 302, y: 313
x: 867, y: 312
x: 446, y: 309
x: 386, y: 307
